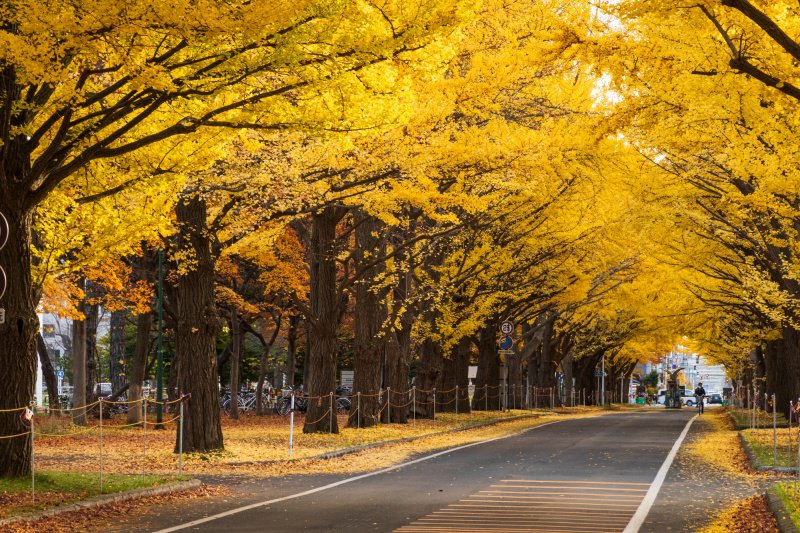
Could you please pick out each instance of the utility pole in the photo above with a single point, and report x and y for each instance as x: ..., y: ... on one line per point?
x: 160, y: 344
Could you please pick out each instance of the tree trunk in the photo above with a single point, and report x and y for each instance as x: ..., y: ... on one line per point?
x: 454, y: 397
x: 264, y: 365
x: 116, y: 354
x: 79, y: 371
x: 429, y: 378
x: 144, y: 323
x: 369, y: 314
x: 236, y: 357
x: 291, y: 351
x: 196, y: 329
x: 48, y: 372
x: 783, y: 375
x: 92, y: 317
x: 17, y: 334
x: 321, y: 361
x: 487, y: 380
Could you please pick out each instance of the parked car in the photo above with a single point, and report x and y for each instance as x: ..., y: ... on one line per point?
x: 688, y: 399
x: 715, y: 398
x: 103, y: 390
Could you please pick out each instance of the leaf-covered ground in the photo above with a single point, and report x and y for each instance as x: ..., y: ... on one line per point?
x: 260, y: 445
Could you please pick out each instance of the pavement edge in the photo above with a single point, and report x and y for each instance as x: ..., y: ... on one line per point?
x: 780, y: 512
x: 106, y: 499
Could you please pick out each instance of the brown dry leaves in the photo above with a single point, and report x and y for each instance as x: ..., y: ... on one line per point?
x: 90, y: 518
x: 747, y: 516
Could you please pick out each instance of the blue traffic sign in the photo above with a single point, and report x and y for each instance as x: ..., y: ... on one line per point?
x: 60, y: 374
x: 506, y: 343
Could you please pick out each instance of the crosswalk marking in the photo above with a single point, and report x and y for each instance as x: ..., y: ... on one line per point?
x: 538, y: 505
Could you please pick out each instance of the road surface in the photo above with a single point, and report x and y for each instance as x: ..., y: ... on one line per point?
x: 577, y: 476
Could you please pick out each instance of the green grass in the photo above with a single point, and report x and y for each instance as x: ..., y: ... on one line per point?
x: 55, y: 488
x: 789, y: 493
x: 760, y: 441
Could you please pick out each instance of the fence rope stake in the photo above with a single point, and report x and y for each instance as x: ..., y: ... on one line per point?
x: 333, y: 413
x: 774, y: 431
x: 100, y: 406
x: 358, y: 410
x: 33, y: 462
x: 791, y: 415
x: 291, y: 425
x: 486, y: 397
x: 180, y: 440
x: 414, y: 402
x: 456, y: 399
x: 144, y: 435
x: 434, y: 403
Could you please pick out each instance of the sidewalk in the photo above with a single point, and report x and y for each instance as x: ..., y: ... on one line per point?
x: 709, y: 477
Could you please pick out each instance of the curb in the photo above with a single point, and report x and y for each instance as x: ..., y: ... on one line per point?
x: 346, y: 451
x: 778, y: 509
x: 106, y: 499
x: 751, y: 456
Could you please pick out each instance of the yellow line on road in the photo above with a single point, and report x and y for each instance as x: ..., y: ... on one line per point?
x: 571, y: 508
x: 521, y: 499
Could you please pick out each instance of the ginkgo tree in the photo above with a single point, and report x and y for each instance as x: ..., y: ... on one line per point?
x: 91, y: 81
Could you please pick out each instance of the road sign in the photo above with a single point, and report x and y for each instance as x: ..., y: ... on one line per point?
x: 598, y: 372
x: 506, y: 327
x: 60, y: 374
x: 506, y: 343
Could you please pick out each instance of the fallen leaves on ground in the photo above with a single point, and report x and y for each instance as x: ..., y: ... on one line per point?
x: 251, y: 443
x: 85, y: 519
x: 720, y: 448
x: 751, y: 515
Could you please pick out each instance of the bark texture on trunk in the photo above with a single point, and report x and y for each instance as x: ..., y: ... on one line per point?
x: 116, y: 355
x: 92, y: 318
x: 783, y: 369
x: 264, y: 365
x: 291, y: 351
x: 79, y: 371
x: 323, y: 344
x: 144, y: 323
x: 487, y: 380
x: 429, y: 378
x: 370, y: 313
x: 454, y: 397
x: 17, y: 335
x: 196, y: 329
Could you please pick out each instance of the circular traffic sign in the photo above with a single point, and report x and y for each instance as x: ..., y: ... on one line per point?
x: 506, y: 327
x: 2, y: 282
x: 60, y: 374
x: 506, y: 343
x: 3, y: 230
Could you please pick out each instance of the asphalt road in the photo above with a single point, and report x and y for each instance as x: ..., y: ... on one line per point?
x: 577, y: 476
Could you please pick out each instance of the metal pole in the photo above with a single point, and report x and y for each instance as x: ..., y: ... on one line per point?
x: 774, y: 432
x: 791, y: 414
x: 160, y: 346
x: 180, y: 440
x: 144, y: 435
x: 333, y: 413
x: 100, y: 405
x: 358, y: 409
x: 486, y: 397
x: 414, y: 401
x: 388, y: 405
x: 291, y: 426
x: 456, y: 399
x: 434, y: 403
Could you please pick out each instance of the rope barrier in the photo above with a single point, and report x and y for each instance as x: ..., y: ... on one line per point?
x: 14, y: 410
x: 15, y: 436
x: 320, y: 419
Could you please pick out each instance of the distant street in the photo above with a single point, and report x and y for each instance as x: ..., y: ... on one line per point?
x: 577, y: 476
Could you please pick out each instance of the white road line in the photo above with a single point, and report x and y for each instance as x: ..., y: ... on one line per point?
x: 342, y: 482
x: 650, y: 498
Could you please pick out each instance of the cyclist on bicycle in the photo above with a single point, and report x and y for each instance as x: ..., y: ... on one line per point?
x: 699, y: 394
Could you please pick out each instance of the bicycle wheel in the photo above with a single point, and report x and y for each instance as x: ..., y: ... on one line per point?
x: 283, y: 406
x: 342, y: 405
